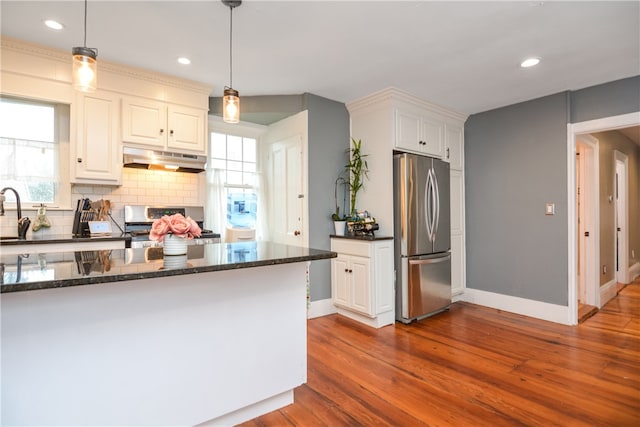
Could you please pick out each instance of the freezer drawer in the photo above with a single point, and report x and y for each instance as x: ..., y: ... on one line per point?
x: 426, y: 285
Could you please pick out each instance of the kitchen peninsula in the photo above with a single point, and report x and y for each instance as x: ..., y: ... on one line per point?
x: 127, y: 337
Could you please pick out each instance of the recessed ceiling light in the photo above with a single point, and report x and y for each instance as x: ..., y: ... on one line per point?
x: 184, y: 61
x: 54, y: 25
x: 530, y: 62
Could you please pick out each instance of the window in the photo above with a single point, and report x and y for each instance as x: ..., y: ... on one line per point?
x: 235, y: 159
x: 32, y: 159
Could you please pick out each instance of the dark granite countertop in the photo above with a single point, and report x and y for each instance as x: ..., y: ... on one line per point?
x: 367, y: 238
x: 39, y: 239
x: 56, y: 270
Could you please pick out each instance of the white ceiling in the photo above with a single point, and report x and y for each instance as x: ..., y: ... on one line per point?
x: 462, y: 55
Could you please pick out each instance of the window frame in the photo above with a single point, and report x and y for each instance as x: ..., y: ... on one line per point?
x: 244, y: 130
x: 62, y: 136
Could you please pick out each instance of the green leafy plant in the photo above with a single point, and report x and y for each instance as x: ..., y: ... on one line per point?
x: 358, y: 172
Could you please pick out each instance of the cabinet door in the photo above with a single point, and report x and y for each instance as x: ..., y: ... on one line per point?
x: 383, y: 279
x: 187, y: 128
x: 97, y: 145
x: 432, y: 137
x: 144, y: 122
x: 457, y: 232
x: 340, y: 287
x: 454, y: 143
x: 361, y: 286
x: 457, y: 264
x: 408, y: 130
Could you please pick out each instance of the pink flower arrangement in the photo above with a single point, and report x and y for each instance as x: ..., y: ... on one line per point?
x: 175, y: 224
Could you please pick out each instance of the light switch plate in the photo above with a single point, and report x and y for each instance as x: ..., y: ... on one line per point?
x: 550, y: 209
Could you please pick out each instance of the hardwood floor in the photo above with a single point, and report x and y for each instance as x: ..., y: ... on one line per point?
x: 472, y: 366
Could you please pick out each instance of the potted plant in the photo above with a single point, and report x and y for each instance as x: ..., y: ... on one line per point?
x: 339, y: 222
x: 358, y: 171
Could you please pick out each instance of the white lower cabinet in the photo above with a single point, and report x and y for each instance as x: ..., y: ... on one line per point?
x: 362, y: 280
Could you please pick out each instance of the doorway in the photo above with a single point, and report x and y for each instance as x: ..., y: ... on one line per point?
x: 587, y: 189
x: 575, y: 130
x: 621, y: 217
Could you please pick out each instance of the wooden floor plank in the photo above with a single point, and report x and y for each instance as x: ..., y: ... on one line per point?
x: 472, y: 366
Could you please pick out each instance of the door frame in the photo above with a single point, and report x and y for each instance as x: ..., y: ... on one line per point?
x: 574, y: 129
x: 590, y: 255
x: 621, y: 250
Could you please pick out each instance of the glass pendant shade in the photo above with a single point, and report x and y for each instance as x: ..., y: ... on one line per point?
x: 85, y: 69
x: 231, y: 106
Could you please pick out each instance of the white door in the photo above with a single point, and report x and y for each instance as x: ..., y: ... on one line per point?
x: 286, y: 148
x: 586, y: 210
x: 622, y: 246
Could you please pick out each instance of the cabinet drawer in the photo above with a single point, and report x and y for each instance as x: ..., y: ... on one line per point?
x: 351, y: 247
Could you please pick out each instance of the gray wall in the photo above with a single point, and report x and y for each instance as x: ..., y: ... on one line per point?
x: 328, y: 137
x: 328, y: 142
x: 606, y: 100
x: 515, y: 162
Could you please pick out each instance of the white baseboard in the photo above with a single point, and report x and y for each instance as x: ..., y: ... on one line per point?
x: 379, y: 321
x: 252, y: 411
x: 634, y: 271
x: 526, y: 307
x: 608, y: 291
x: 457, y: 297
x: 321, y: 308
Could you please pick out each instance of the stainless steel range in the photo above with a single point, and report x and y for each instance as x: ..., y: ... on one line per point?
x: 138, y: 220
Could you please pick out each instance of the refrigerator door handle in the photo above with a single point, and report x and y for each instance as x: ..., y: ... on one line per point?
x: 429, y: 260
x: 436, y: 200
x: 428, y: 205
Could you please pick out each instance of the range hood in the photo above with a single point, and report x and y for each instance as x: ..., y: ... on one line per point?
x: 163, y: 160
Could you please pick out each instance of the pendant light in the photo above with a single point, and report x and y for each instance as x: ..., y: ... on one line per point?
x: 231, y: 98
x: 85, y: 67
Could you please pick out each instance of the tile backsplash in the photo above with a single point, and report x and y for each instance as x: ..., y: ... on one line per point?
x: 139, y: 187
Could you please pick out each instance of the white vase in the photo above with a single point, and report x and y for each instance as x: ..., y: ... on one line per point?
x: 339, y: 227
x: 175, y: 261
x: 174, y: 245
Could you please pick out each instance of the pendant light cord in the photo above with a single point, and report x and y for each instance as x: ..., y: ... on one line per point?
x: 85, y: 23
x: 230, y: 46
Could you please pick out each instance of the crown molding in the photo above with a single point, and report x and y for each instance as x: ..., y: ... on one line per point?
x: 393, y: 95
x: 32, y: 49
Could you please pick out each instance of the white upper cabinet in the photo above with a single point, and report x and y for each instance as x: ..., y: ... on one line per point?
x: 144, y: 121
x: 454, y: 146
x: 417, y: 131
x: 163, y: 126
x: 187, y: 128
x: 96, y: 155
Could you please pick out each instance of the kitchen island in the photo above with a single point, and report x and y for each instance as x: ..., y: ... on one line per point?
x: 128, y: 337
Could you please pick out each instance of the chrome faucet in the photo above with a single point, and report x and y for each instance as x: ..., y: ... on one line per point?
x: 23, y: 223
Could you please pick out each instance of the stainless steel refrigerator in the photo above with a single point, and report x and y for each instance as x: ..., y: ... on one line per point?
x: 422, y: 236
